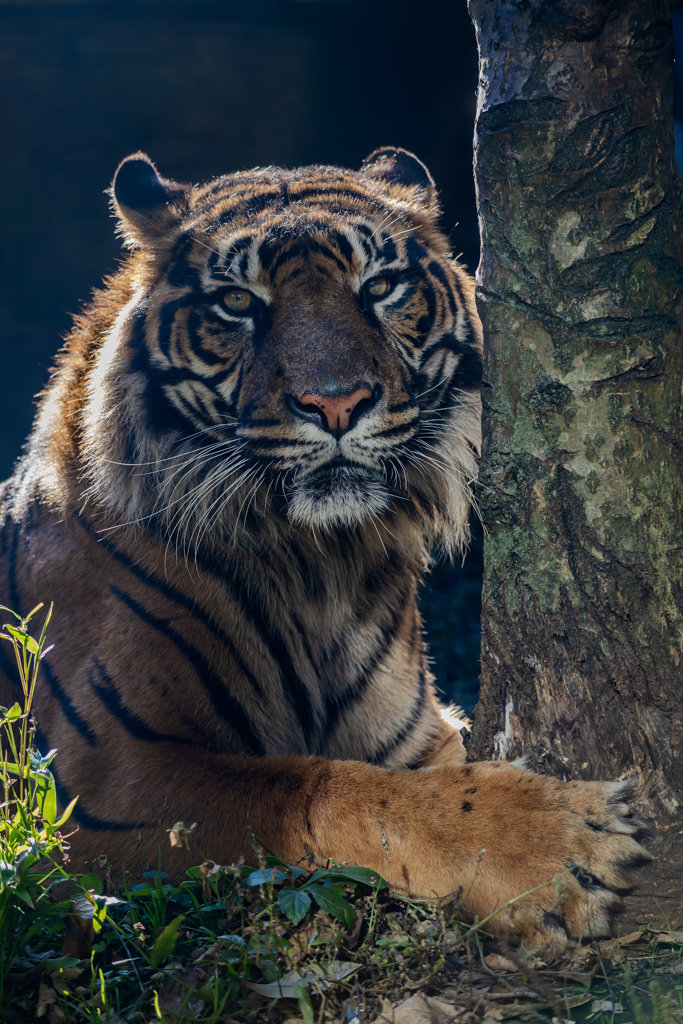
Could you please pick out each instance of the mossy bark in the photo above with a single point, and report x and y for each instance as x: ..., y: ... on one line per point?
x: 579, y: 289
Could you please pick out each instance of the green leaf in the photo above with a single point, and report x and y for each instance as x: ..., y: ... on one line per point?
x: 23, y: 638
x: 294, y: 903
x: 46, y: 796
x: 14, y: 713
x: 7, y: 873
x: 332, y: 903
x: 366, y: 876
x: 166, y: 942
x: 4, y: 608
x: 92, y: 881
x: 67, y: 814
x: 61, y: 963
x: 24, y: 895
x: 271, y: 876
x: 305, y: 1004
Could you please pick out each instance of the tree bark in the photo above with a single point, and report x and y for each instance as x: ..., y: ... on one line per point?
x: 579, y: 289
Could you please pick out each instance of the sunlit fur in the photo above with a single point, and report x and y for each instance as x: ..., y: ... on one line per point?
x: 237, y: 640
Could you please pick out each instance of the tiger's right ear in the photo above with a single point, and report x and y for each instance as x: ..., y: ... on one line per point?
x: 146, y: 204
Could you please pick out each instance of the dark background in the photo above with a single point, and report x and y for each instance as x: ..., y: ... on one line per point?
x: 208, y: 87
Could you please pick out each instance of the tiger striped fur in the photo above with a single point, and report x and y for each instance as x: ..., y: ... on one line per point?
x: 256, y: 434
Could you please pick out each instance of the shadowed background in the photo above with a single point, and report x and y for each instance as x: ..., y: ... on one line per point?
x: 207, y: 87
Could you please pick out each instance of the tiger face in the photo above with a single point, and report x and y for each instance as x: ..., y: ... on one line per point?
x: 297, y: 342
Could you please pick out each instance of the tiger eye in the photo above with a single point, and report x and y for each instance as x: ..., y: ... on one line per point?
x: 238, y: 300
x: 377, y: 287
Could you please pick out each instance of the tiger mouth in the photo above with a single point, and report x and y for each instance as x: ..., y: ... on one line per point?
x: 341, y: 494
x: 340, y: 472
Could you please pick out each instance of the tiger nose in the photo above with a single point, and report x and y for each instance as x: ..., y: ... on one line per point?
x: 338, y: 412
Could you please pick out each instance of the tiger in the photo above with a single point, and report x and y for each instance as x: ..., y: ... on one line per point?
x: 259, y: 433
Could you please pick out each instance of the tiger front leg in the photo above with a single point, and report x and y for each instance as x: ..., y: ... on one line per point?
x: 495, y: 832
x: 570, y: 847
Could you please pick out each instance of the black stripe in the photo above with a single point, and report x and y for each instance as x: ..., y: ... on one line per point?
x: 449, y: 285
x: 394, y: 431
x: 220, y: 271
x: 457, y: 284
x: 468, y: 372
x: 224, y: 703
x: 196, y: 320
x: 261, y: 423
x: 178, y: 597
x: 388, y: 249
x: 249, y: 204
x: 345, y: 247
x: 325, y: 250
x: 387, y: 748
x: 81, y: 817
x: 166, y: 318
x: 324, y: 193
x: 177, y: 269
x: 278, y: 442
x: 111, y: 698
x: 69, y: 711
x: 293, y: 686
x: 338, y: 703
x: 185, y: 408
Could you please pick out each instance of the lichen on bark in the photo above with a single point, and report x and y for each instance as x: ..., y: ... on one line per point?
x: 579, y: 288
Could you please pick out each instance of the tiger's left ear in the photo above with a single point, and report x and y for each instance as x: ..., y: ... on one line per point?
x: 146, y: 204
x: 399, y: 167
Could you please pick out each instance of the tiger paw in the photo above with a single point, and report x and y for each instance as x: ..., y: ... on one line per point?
x: 557, y: 858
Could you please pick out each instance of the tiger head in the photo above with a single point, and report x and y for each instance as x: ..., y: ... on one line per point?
x: 297, y: 343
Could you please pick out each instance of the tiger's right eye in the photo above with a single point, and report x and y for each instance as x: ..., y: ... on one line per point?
x: 378, y: 287
x: 237, y: 300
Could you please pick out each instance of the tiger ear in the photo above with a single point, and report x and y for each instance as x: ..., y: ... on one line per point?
x: 399, y: 167
x: 146, y: 204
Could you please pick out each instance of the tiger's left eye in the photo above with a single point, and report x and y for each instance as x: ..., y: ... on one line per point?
x: 238, y: 300
x: 378, y: 287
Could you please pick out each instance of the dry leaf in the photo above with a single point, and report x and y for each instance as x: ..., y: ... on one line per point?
x: 672, y: 938
x: 628, y: 940
x: 208, y: 869
x: 176, y: 996
x: 419, y: 1009
x: 500, y: 963
x: 46, y: 997
x: 79, y: 931
x: 320, y: 928
x: 101, y: 867
x: 69, y: 973
x: 179, y: 835
x: 317, y: 976
x: 55, y: 1014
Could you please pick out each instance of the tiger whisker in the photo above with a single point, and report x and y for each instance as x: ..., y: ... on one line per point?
x: 383, y: 222
x: 423, y: 393
x: 217, y: 505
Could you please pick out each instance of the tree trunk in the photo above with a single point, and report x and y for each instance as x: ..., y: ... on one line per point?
x: 579, y: 289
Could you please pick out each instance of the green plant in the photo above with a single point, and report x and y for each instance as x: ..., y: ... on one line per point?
x: 29, y: 825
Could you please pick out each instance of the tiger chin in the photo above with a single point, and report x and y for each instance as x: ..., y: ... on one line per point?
x: 258, y: 431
